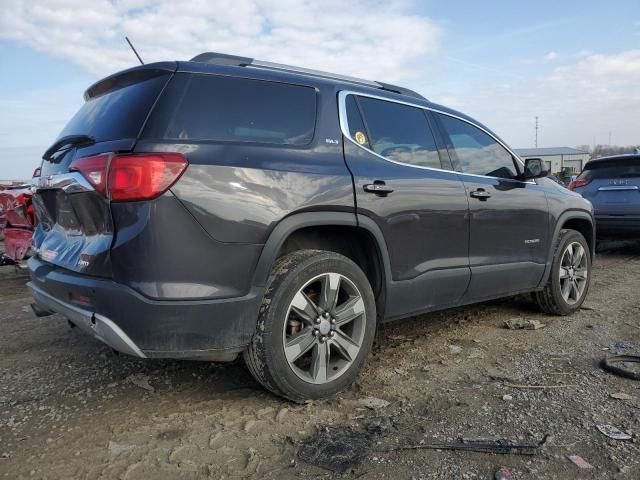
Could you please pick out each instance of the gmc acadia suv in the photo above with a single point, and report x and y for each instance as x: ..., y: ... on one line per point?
x: 224, y: 205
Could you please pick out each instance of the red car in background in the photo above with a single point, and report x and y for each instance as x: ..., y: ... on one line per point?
x: 17, y: 220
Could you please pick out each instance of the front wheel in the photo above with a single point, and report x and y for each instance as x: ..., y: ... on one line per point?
x: 315, y: 328
x: 570, y: 276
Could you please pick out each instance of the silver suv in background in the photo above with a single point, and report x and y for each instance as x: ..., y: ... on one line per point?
x: 612, y: 185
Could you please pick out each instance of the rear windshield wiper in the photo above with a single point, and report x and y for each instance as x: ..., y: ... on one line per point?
x: 69, y: 140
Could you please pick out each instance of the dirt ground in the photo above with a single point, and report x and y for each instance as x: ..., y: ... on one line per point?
x: 71, y: 408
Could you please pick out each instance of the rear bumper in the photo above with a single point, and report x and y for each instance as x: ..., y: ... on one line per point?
x: 94, y: 324
x: 117, y: 315
x: 617, y: 225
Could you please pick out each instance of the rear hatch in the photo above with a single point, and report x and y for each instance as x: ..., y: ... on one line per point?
x: 75, y: 229
x: 612, y: 185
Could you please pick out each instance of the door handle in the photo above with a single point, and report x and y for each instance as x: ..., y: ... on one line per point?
x: 480, y: 194
x: 378, y: 187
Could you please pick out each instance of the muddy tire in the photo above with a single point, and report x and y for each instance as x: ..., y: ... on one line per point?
x: 568, y: 282
x: 315, y: 328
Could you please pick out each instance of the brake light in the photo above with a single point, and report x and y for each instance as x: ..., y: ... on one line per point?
x: 144, y: 176
x: 94, y: 169
x: 579, y: 183
x: 131, y: 177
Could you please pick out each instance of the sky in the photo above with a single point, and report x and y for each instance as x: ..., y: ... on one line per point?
x: 573, y: 64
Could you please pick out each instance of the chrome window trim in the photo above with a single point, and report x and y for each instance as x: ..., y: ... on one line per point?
x: 344, y: 126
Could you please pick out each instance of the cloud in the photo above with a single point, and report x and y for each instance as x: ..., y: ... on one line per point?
x: 586, y: 96
x: 373, y: 40
x: 34, y: 119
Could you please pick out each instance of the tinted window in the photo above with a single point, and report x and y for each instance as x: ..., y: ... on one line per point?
x: 399, y: 132
x: 618, y: 168
x: 118, y: 114
x: 356, y: 125
x: 475, y: 151
x: 211, y: 107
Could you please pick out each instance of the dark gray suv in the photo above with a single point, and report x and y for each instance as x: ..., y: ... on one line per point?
x: 224, y: 205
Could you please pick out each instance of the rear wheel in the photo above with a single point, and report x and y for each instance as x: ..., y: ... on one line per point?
x: 316, y: 326
x: 570, y: 276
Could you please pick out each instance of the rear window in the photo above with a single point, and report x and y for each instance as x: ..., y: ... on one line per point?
x: 218, y: 108
x: 119, y: 113
x: 619, y: 168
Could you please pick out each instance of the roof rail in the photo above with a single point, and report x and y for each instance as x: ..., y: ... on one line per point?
x: 224, y: 59
x: 398, y: 89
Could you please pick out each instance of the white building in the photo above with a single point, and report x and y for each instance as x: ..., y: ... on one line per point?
x: 557, y: 158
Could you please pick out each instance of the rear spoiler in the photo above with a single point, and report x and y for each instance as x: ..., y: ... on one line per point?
x: 129, y: 77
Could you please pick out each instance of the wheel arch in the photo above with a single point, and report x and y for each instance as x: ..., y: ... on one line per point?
x: 579, y: 220
x: 336, y: 231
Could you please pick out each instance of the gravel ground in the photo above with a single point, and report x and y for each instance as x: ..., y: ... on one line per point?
x: 71, y: 408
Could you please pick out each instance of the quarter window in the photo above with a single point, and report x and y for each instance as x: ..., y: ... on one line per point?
x: 218, y: 108
x: 398, y: 132
x: 474, y: 151
x: 356, y: 126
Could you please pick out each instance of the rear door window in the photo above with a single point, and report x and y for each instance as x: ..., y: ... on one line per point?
x: 398, y: 132
x: 217, y: 108
x: 474, y: 151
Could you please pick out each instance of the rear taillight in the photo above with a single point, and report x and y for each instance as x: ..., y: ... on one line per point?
x: 579, y: 183
x: 94, y: 169
x: 131, y: 177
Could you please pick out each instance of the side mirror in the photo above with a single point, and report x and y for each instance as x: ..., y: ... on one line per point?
x: 533, y: 168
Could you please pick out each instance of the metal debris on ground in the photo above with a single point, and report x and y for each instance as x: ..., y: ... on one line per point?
x: 613, y: 432
x: 335, y: 448
x: 535, y: 387
x: 523, y: 324
x: 503, y: 474
x: 622, y: 346
x: 579, y: 462
x: 481, y: 444
x: 373, y: 403
x: 616, y: 365
x: 141, y: 380
x: 380, y: 426
x: 621, y: 396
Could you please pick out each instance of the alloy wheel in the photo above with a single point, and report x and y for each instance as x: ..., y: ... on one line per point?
x: 573, y: 273
x: 324, y: 328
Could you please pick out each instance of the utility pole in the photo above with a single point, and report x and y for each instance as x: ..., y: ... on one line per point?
x: 536, y: 132
x: 609, y: 137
